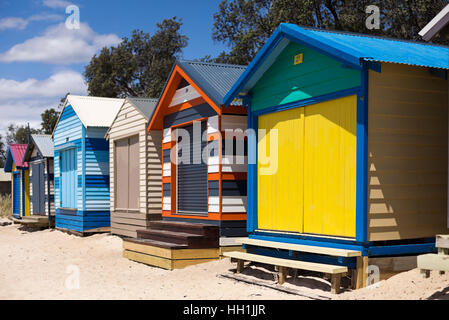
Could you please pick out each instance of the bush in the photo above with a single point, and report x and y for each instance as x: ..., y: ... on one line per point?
x: 5, y: 205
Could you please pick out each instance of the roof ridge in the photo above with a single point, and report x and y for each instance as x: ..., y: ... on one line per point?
x: 215, y: 64
x: 364, y: 35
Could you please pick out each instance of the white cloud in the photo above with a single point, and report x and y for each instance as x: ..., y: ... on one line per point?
x: 24, y: 101
x: 56, y: 3
x: 59, y: 45
x: 13, y: 23
x: 21, y: 23
x: 57, y: 84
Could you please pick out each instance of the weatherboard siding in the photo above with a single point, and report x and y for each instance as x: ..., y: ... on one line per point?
x: 407, y: 146
x: 130, y: 122
x: 285, y: 82
x: 92, y: 174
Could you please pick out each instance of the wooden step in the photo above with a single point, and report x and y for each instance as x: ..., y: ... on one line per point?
x: 334, y: 271
x: 193, y: 228
x: 159, y: 244
x: 191, y: 240
x: 300, y: 248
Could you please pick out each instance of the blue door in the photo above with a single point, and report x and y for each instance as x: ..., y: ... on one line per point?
x: 68, y: 179
x: 16, y: 194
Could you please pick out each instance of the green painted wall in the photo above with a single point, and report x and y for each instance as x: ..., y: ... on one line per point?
x: 285, y: 82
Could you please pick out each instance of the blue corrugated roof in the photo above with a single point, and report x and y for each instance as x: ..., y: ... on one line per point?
x: 215, y: 79
x: 386, y: 50
x: 349, y: 48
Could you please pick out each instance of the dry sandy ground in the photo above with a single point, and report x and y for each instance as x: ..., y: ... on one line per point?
x: 38, y: 265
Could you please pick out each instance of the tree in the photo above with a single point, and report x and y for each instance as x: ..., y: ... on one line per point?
x: 50, y: 117
x: 2, y: 152
x: 19, y: 134
x: 138, y: 66
x: 245, y: 25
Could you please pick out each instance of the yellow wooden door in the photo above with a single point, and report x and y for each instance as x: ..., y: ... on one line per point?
x: 330, y: 167
x: 280, y: 171
x: 313, y: 189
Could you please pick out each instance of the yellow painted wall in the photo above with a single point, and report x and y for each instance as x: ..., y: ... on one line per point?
x: 27, y: 191
x: 314, y: 187
x: 330, y: 167
x: 408, y: 148
x: 280, y: 199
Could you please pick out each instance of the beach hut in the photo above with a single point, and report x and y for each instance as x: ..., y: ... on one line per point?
x: 348, y: 161
x: 204, y: 168
x: 39, y: 156
x: 81, y: 164
x: 19, y: 180
x: 135, y: 168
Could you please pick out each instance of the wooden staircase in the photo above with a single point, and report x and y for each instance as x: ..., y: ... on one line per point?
x: 173, y: 245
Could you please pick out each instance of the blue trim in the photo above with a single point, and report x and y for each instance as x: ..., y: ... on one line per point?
x: 65, y: 146
x: 83, y: 161
x: 309, y: 101
x: 362, y: 161
x: 375, y: 66
x: 402, y: 249
x: 251, y: 169
x: 298, y: 35
x: 310, y: 241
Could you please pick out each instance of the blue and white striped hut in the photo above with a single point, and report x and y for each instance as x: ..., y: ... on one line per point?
x: 82, y: 164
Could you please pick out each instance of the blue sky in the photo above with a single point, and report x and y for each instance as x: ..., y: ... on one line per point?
x: 41, y: 59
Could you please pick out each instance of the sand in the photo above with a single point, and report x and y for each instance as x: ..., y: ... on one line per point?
x: 46, y: 265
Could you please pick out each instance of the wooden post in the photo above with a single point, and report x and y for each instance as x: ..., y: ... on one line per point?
x: 362, y: 276
x: 240, y: 265
x: 335, y: 283
x: 425, y: 273
x: 282, y: 275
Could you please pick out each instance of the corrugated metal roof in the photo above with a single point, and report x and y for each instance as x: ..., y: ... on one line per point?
x: 352, y: 49
x: 15, y: 155
x: 215, y: 79
x: 145, y: 105
x: 4, y: 176
x: 385, y: 50
x: 95, y: 111
x: 44, y: 143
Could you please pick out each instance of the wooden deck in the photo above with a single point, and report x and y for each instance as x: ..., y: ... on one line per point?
x: 173, y: 245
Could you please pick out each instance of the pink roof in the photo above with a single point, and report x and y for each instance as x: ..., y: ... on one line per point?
x: 18, y: 151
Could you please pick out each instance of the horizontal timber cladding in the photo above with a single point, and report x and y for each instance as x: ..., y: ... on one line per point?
x: 145, y: 173
x: 37, y: 188
x: 86, y: 189
x: 407, y: 153
x: 154, y: 175
x: 190, y: 114
x: 233, y: 196
x: 192, y: 174
x: 285, y: 82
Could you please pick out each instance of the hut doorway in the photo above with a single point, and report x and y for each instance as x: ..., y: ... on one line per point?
x: 192, y: 176
x: 16, y: 194
x: 127, y: 174
x: 68, y: 165
x: 38, y: 184
x: 313, y: 189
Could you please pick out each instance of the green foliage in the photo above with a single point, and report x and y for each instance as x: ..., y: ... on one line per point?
x: 245, y: 25
x: 17, y: 134
x: 2, y: 152
x: 138, y: 66
x: 49, y: 118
